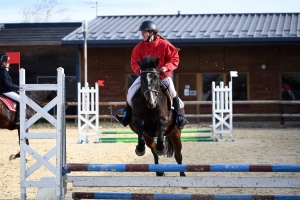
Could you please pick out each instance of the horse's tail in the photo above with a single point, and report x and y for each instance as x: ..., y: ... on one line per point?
x: 170, y: 150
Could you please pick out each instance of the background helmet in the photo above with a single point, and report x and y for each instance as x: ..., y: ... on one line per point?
x: 148, y: 26
x: 4, y: 58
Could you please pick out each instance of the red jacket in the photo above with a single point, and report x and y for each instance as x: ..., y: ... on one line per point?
x: 159, y: 48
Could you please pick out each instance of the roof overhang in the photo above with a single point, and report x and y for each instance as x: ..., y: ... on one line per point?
x: 188, y: 42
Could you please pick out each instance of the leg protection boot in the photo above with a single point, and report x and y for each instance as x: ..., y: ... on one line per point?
x: 127, y: 111
x: 181, y: 121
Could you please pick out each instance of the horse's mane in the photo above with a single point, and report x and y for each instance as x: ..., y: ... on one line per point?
x: 148, y: 62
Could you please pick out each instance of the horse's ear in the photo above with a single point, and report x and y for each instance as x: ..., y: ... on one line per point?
x: 140, y: 63
x: 156, y: 62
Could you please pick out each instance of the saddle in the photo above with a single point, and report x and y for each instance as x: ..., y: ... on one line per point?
x: 11, y: 104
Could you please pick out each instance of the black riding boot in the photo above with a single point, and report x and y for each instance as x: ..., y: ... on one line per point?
x: 17, y: 115
x: 127, y: 115
x: 181, y: 121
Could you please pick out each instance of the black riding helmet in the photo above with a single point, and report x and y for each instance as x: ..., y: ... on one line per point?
x: 148, y: 26
x: 4, y: 58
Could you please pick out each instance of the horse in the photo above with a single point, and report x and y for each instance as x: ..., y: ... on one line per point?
x: 7, y: 117
x: 152, y: 116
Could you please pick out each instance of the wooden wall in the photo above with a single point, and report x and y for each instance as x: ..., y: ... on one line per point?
x: 113, y: 66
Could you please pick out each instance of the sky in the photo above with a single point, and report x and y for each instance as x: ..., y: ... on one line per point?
x: 80, y: 10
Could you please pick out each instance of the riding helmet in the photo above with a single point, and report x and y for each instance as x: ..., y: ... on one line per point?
x: 4, y: 58
x: 148, y: 26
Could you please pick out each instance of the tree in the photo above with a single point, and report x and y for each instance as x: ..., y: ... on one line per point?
x: 44, y: 11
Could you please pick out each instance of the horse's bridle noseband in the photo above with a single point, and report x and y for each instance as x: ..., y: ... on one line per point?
x: 152, y: 71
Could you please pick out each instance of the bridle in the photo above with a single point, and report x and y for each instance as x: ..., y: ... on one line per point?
x: 152, y: 71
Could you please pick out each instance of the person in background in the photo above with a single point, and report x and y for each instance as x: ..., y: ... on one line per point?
x: 157, y: 46
x: 7, y: 88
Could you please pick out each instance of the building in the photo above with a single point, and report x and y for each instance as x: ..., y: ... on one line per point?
x: 262, y: 47
x: 41, y: 53
x: 40, y: 50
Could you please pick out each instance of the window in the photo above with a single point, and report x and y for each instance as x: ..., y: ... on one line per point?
x: 290, y: 86
x: 239, y: 87
x: 207, y: 80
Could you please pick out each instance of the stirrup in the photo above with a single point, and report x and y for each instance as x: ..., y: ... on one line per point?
x: 118, y: 118
x: 181, y: 123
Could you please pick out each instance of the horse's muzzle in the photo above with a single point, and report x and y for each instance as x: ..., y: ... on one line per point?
x: 151, y: 105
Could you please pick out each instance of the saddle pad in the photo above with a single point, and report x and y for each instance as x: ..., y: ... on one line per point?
x: 8, y: 103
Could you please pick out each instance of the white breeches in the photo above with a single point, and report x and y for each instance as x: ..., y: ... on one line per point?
x: 13, y: 96
x: 137, y: 84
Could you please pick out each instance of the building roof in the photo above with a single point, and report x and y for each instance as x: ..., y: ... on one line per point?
x: 35, y: 33
x: 192, y: 29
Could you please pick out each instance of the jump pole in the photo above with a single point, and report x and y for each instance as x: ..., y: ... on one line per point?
x: 182, y: 168
x: 131, y: 140
x: 115, y: 195
x: 131, y: 132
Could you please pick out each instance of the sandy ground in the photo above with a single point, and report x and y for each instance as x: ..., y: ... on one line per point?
x: 268, y: 145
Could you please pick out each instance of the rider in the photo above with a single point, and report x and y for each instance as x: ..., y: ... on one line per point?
x: 7, y: 88
x: 157, y: 46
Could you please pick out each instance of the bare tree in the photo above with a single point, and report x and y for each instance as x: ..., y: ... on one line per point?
x: 44, y: 11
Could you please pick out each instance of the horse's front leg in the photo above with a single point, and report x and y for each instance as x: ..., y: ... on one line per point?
x: 160, y: 147
x: 140, y: 148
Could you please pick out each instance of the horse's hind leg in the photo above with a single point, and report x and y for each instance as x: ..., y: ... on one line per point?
x: 17, y: 155
x: 140, y: 148
x: 151, y: 144
x: 177, y: 146
x: 27, y: 141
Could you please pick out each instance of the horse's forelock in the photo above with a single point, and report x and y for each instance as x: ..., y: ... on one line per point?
x: 148, y: 62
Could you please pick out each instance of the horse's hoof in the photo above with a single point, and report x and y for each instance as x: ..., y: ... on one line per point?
x: 160, y: 153
x: 140, y: 153
x: 11, y: 157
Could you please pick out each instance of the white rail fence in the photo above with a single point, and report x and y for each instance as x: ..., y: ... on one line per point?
x: 88, y: 113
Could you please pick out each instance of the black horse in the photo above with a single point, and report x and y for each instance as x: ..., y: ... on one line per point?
x: 152, y: 116
x: 7, y: 116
